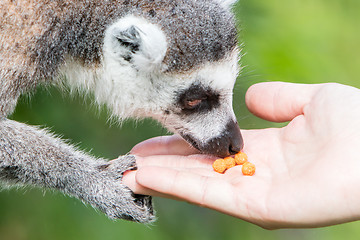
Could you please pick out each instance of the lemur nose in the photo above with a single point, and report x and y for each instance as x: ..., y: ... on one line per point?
x: 236, y: 147
x: 236, y: 142
x: 229, y: 143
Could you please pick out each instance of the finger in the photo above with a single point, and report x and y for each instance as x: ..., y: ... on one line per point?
x: 197, y: 189
x: 164, y: 145
x: 176, y: 161
x: 279, y: 101
x: 130, y: 181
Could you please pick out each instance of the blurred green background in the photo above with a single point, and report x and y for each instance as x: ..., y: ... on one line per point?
x: 308, y: 41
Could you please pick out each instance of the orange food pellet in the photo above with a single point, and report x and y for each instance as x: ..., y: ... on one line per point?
x: 222, y: 164
x: 219, y: 165
x: 240, y: 158
x: 248, y: 169
x: 230, y: 162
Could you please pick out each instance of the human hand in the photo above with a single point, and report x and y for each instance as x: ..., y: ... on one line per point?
x: 307, y: 173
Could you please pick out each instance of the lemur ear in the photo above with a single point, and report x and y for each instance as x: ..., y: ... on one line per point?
x: 128, y: 38
x: 140, y: 43
x: 227, y: 3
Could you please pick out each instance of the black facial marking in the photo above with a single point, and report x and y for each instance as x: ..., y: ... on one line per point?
x: 198, y: 98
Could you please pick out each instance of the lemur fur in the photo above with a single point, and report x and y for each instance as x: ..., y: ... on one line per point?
x: 172, y: 60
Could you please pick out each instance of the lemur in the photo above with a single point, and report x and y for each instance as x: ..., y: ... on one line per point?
x: 175, y: 61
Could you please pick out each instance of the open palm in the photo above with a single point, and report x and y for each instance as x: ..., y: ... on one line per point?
x: 307, y: 173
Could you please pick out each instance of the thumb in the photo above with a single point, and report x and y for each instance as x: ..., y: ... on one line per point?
x: 279, y: 101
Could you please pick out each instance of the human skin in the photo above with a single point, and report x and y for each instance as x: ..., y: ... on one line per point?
x: 307, y: 173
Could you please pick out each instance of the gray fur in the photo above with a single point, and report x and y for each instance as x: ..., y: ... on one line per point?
x: 198, y: 31
x: 37, y: 36
x: 32, y: 156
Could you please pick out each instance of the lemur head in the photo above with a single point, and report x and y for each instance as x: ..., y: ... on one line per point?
x: 177, y: 64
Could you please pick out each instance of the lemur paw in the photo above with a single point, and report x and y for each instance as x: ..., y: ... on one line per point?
x: 115, y: 199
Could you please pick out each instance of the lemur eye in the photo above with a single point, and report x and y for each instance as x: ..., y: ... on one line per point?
x: 191, y: 104
x: 197, y: 98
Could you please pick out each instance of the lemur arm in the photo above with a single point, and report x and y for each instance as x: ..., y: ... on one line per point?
x: 29, y: 155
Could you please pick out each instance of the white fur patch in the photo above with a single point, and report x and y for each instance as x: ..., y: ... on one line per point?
x: 78, y: 77
x: 153, y: 43
x: 221, y: 75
